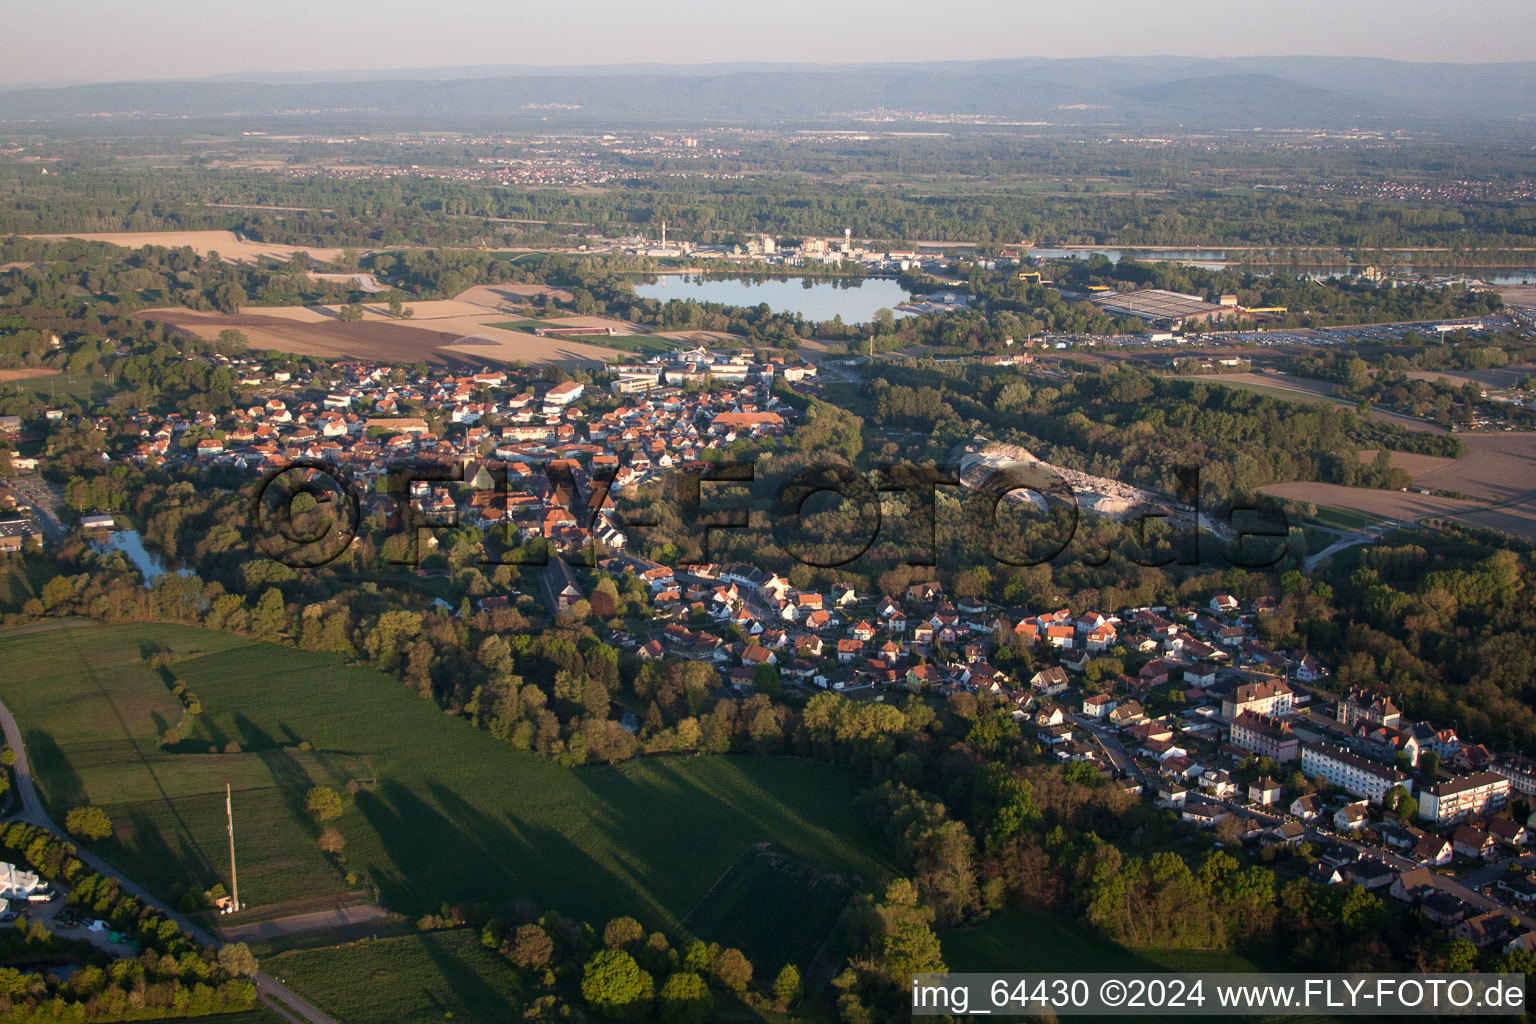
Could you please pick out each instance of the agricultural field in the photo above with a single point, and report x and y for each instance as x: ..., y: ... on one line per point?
x: 408, y: 979
x: 1518, y: 519
x: 778, y: 909
x: 1498, y: 467
x: 1340, y: 519
x: 464, y: 330
x: 1305, y: 389
x: 438, y: 811
x: 258, y: 1014
x: 648, y: 344
x: 1017, y: 941
x: 226, y: 243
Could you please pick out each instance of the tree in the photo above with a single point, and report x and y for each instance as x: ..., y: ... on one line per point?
x: 323, y: 803
x: 1460, y: 956
x: 270, y: 616
x: 696, y: 956
x: 532, y: 947
x: 332, y: 842
x: 231, y: 342
x: 605, y: 599
x: 237, y: 960
x: 685, y: 999
x: 907, y: 944
x: 613, y: 984
x: 351, y: 313
x: 786, y: 987
x: 621, y: 932
x: 228, y: 297
x: 89, y: 823
x: 765, y: 679
x: 733, y: 969
x: 1429, y: 764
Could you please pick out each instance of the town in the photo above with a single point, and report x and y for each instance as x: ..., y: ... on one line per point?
x: 1212, y: 724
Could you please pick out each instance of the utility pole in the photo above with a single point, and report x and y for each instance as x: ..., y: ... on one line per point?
x: 234, y: 879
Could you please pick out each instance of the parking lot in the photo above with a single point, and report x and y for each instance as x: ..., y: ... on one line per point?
x: 64, y: 922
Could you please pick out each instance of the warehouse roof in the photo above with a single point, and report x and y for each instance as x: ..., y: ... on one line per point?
x: 1155, y: 304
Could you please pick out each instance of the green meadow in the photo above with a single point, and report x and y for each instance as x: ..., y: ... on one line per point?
x: 409, y: 979
x: 439, y: 812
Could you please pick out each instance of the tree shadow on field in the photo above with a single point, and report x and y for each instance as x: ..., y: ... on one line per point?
x: 472, y: 990
x: 459, y: 855
x: 292, y: 780
x: 163, y: 866
x: 149, y: 648
x: 52, y: 771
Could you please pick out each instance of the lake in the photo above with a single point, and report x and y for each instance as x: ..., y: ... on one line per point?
x: 855, y: 299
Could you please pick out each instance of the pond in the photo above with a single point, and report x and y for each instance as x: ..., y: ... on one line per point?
x: 855, y: 299
x: 153, y: 566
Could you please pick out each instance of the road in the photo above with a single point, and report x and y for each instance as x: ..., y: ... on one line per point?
x: 1112, y: 748
x: 294, y: 924
x: 276, y: 996
x: 1349, y: 540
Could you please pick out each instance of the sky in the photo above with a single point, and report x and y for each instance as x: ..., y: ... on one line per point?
x: 102, y: 40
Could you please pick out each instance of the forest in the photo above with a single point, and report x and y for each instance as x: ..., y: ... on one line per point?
x: 322, y: 210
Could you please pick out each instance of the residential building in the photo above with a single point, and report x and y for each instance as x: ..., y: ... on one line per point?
x: 1486, y: 930
x: 1349, y: 771
x: 1264, y: 792
x: 1377, y: 709
x: 1265, y: 736
x: 1446, y: 803
x: 1269, y: 697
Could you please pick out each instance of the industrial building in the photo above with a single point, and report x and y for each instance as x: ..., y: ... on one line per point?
x: 16, y: 884
x: 1159, y: 308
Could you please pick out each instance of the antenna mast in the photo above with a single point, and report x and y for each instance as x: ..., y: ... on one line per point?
x: 234, y: 879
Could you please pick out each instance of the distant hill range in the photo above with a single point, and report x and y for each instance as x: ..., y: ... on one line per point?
x: 1195, y: 93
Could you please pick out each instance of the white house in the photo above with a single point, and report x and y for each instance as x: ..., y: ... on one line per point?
x: 1098, y: 706
x: 16, y: 884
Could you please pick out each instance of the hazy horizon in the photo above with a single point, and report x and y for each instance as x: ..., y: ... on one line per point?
x: 180, y: 39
